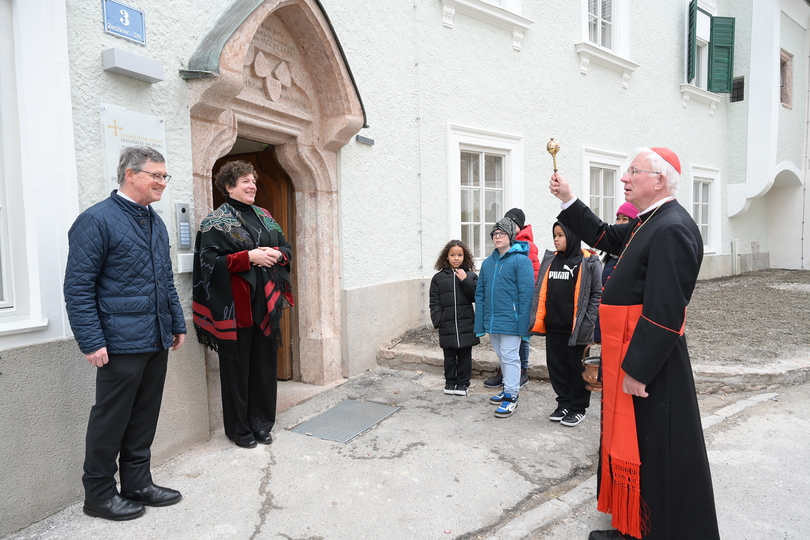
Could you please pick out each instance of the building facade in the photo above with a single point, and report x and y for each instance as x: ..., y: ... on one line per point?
x: 382, y: 130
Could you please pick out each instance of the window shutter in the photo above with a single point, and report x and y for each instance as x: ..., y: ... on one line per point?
x: 721, y: 55
x: 691, y: 45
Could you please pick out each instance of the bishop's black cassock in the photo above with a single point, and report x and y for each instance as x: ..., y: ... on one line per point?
x: 642, y: 316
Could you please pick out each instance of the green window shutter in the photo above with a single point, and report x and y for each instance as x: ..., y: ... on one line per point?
x: 721, y: 55
x: 691, y: 46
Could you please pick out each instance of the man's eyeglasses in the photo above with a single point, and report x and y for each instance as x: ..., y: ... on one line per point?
x: 157, y: 176
x: 632, y: 171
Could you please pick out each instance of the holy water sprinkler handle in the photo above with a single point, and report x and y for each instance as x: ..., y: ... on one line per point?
x: 553, y: 147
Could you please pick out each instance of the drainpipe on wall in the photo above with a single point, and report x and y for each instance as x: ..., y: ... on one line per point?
x: 804, y: 211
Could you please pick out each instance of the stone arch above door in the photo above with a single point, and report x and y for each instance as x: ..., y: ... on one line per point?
x: 273, y: 71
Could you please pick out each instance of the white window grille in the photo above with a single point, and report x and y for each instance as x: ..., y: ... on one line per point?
x: 706, y: 205
x: 485, y: 180
x: 603, y: 192
x: 482, y: 197
x: 600, y: 22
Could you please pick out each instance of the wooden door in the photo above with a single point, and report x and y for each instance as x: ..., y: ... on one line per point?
x: 274, y: 193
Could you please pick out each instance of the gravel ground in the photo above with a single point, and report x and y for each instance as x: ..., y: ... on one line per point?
x: 752, y: 318
x: 749, y: 319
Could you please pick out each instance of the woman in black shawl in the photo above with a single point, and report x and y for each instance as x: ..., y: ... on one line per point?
x: 241, y: 285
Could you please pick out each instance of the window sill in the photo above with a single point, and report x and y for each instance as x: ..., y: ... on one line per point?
x: 488, y: 13
x: 690, y: 91
x: 588, y: 52
x: 21, y: 326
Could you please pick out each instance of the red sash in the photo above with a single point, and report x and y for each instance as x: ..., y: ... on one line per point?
x: 619, y: 491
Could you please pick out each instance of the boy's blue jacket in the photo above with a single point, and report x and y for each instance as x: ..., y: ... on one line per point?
x: 503, y: 296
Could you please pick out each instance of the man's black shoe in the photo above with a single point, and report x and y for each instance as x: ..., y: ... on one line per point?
x: 245, y: 443
x: 116, y: 509
x: 263, y: 437
x: 153, y: 495
x: 612, y: 534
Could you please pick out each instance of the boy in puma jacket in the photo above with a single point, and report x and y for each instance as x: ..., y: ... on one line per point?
x: 565, y: 309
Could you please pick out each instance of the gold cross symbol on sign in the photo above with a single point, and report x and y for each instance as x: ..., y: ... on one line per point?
x: 115, y: 127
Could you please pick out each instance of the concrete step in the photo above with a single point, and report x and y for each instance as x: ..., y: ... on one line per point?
x: 419, y: 350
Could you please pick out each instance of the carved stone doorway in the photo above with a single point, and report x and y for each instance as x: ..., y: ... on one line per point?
x: 273, y: 72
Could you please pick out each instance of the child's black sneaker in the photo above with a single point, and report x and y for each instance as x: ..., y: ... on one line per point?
x: 450, y: 389
x: 461, y: 390
x: 558, y: 414
x: 572, y: 419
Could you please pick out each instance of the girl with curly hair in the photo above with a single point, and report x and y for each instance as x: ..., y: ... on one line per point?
x: 452, y: 293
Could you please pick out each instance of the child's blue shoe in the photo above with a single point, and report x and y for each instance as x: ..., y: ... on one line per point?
x: 507, y: 407
x: 496, y: 400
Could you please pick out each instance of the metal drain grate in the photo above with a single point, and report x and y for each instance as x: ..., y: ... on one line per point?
x: 346, y: 421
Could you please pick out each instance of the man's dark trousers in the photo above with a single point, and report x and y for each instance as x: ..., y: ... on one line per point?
x: 129, y: 389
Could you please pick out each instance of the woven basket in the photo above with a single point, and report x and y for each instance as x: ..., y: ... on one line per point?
x: 593, y: 372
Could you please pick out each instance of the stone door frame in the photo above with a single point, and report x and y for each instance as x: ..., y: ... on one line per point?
x: 306, y: 143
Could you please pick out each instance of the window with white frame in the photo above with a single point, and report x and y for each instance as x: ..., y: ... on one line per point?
x: 5, y: 258
x: 485, y: 180
x: 705, y: 205
x: 604, y: 171
x: 502, y: 13
x: 710, y: 48
x: 603, y: 191
x: 600, y: 22
x: 701, y: 199
x: 7, y: 99
x: 21, y: 306
x: 482, y: 189
x: 606, y: 37
x: 701, y: 63
x: 786, y: 79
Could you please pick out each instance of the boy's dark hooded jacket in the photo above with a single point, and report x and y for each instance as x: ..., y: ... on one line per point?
x: 588, y: 291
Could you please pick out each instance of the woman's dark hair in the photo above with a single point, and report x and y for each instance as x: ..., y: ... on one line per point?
x: 442, y: 262
x: 231, y: 172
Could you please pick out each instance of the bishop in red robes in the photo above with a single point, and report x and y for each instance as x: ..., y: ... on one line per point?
x: 654, y: 476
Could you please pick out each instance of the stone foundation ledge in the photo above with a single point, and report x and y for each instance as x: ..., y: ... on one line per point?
x: 726, y: 379
x: 431, y: 359
x: 708, y: 378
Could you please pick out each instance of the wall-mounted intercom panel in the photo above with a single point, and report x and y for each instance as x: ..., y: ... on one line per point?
x: 183, y: 216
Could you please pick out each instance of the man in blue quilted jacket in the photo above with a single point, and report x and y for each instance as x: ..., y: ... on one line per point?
x: 125, y: 315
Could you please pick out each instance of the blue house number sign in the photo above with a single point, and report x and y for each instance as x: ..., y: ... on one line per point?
x: 124, y: 21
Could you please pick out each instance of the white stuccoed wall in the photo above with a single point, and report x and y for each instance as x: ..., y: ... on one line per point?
x: 407, y: 65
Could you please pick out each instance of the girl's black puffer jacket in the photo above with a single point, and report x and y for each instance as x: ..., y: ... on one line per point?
x: 451, y: 308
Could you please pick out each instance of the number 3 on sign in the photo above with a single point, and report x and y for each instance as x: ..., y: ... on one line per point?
x: 124, y: 17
